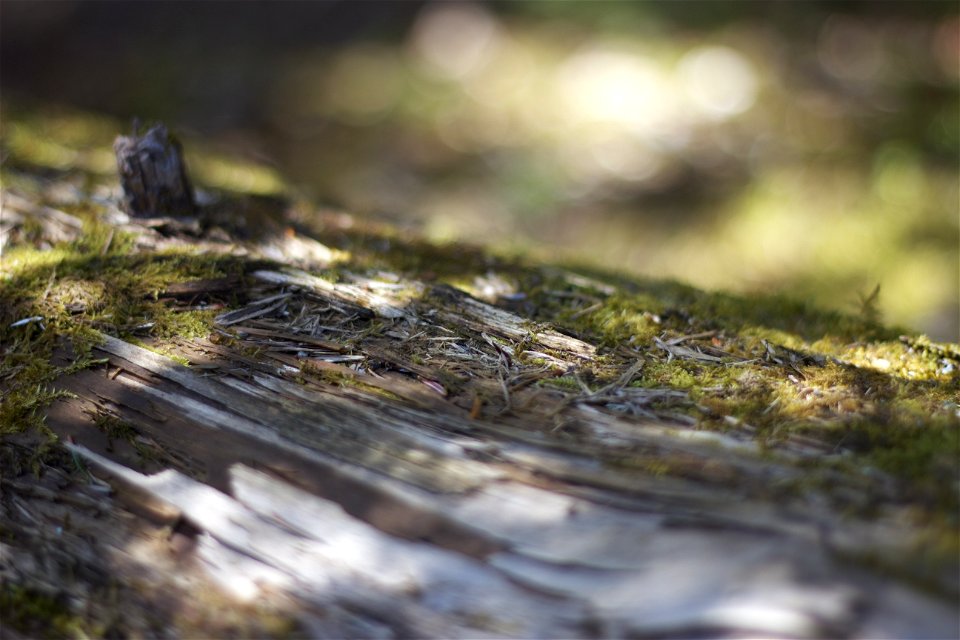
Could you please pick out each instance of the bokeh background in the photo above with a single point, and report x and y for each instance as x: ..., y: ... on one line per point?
x: 805, y: 147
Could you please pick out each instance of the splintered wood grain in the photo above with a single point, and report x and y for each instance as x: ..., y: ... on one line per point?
x: 357, y: 453
x: 394, y: 461
x: 375, y: 505
x: 462, y: 309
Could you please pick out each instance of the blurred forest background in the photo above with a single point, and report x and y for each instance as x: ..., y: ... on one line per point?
x: 804, y: 147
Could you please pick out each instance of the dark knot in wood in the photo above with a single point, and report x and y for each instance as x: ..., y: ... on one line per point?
x: 153, y: 174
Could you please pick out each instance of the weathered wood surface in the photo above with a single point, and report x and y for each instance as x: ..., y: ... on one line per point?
x: 415, y: 481
x: 153, y: 174
x: 409, y: 516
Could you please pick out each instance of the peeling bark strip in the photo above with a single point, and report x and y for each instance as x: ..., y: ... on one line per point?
x: 152, y: 174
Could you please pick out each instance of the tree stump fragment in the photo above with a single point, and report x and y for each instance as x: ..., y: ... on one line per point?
x: 153, y: 174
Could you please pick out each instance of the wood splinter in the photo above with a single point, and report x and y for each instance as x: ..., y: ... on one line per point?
x: 153, y: 174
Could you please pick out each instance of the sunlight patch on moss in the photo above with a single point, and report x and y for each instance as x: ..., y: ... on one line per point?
x: 78, y: 290
x: 220, y: 173
x: 46, y: 152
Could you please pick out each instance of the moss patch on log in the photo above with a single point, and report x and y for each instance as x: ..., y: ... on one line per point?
x: 769, y: 366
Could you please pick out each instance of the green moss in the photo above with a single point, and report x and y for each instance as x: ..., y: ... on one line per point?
x: 37, y: 614
x: 344, y: 379
x: 23, y: 406
x: 621, y: 319
x: 782, y: 367
x: 563, y: 382
x: 80, y: 289
x: 921, y: 451
x: 115, y: 428
x: 794, y: 370
x: 652, y: 465
x: 937, y: 546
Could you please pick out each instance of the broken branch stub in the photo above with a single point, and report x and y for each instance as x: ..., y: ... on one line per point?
x: 153, y: 174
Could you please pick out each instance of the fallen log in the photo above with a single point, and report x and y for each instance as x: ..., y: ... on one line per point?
x: 323, y: 446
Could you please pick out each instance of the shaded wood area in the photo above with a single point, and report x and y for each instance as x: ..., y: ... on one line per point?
x: 378, y: 456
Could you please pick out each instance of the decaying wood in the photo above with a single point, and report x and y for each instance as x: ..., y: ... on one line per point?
x: 153, y: 174
x: 372, y: 458
x: 58, y: 226
x: 430, y: 523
